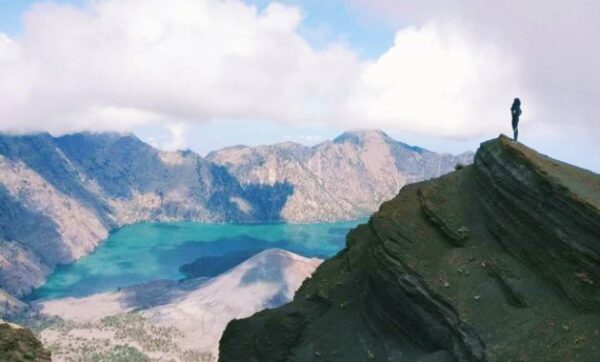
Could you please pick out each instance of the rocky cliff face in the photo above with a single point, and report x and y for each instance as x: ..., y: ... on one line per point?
x: 60, y: 196
x: 497, y: 261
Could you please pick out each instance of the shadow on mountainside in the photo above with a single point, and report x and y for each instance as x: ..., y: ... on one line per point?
x: 211, y: 266
x: 41, y: 153
x: 246, y: 202
x: 33, y: 232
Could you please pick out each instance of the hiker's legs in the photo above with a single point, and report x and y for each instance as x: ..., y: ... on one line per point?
x: 516, y: 133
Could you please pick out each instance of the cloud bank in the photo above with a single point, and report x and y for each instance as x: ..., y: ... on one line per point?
x: 551, y: 42
x: 119, y: 64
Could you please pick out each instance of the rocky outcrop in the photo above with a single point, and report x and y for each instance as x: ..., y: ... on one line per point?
x: 18, y: 344
x: 497, y: 261
x: 60, y: 197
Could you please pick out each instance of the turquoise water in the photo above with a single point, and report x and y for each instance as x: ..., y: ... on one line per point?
x: 151, y: 251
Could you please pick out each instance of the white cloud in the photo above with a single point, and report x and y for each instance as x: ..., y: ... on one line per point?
x: 551, y: 42
x: 119, y: 64
x: 9, y: 49
x: 185, y: 60
x: 178, y: 139
x: 434, y: 80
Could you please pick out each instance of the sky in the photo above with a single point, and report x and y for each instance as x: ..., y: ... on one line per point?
x: 206, y: 74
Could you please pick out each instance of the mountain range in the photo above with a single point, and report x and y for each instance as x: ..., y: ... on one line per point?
x: 60, y: 196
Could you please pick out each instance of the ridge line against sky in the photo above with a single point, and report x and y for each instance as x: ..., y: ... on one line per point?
x: 438, y: 74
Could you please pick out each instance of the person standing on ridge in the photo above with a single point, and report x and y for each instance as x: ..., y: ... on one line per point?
x: 515, y: 110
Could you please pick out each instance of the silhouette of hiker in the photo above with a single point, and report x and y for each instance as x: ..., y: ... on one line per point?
x: 515, y: 110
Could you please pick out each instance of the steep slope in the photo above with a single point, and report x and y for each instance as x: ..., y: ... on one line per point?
x: 40, y: 224
x: 19, y: 344
x: 346, y: 178
x: 59, y: 197
x: 498, y: 261
x: 142, y: 183
x: 194, y: 312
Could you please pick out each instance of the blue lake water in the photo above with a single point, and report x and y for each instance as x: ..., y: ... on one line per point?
x: 150, y: 251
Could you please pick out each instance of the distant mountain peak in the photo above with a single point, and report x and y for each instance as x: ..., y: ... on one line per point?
x: 360, y: 136
x: 102, y: 135
x: 289, y: 144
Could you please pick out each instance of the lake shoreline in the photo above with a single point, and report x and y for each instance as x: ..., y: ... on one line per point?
x: 194, y: 239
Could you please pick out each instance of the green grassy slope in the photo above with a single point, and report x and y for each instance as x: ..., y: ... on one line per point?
x: 19, y: 344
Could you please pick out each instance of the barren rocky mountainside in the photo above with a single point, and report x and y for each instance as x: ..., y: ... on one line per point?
x: 170, y: 320
x: 497, y: 261
x: 60, y: 196
x: 346, y: 178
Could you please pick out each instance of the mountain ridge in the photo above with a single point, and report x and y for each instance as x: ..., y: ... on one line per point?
x: 375, y: 165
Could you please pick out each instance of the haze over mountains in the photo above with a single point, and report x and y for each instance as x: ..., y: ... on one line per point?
x: 61, y: 196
